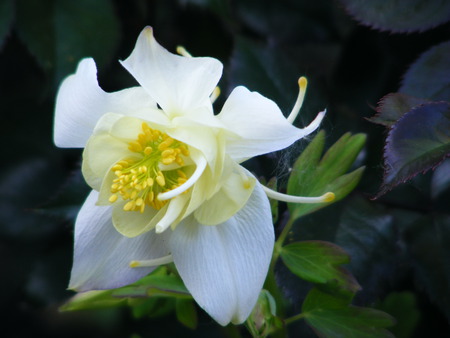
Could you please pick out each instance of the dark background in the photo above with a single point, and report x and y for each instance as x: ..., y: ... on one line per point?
x: 399, y: 250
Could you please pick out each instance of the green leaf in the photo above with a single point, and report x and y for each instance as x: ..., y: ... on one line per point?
x: 312, y: 176
x: 420, y: 140
x: 6, y: 19
x: 320, y: 262
x: 155, y: 285
x: 93, y: 300
x: 153, y: 307
x: 428, y: 77
x: 186, y: 313
x: 393, y: 106
x: 399, y: 16
x: 158, y: 285
x: 59, y: 33
x: 331, y: 317
x: 403, y: 306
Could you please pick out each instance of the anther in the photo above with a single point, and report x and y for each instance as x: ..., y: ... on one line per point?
x: 148, y: 150
x: 183, y: 52
x: 113, y: 198
x: 160, y: 179
x: 302, y: 84
x: 215, y: 94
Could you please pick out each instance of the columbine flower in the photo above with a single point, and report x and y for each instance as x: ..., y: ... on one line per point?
x: 167, y: 184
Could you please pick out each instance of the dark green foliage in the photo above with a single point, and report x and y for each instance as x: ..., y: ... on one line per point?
x: 399, y: 16
x: 394, y: 247
x: 418, y: 141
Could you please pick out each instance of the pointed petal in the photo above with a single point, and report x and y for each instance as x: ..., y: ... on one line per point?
x: 102, y: 255
x: 81, y: 102
x: 256, y: 125
x: 179, y: 84
x: 224, y: 266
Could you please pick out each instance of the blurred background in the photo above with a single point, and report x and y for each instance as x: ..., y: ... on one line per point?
x: 399, y: 243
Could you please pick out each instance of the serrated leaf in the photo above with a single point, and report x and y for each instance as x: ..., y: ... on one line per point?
x: 428, y: 77
x: 393, y: 106
x: 420, y: 140
x: 399, y: 16
x: 311, y: 177
x: 332, y: 317
x: 320, y: 262
x: 61, y: 32
x: 186, y: 313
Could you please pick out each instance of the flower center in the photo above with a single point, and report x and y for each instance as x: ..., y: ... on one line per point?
x: 139, y: 180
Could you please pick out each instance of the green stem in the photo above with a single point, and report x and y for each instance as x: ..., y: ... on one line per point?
x: 280, y: 241
x: 292, y: 319
x: 271, y: 284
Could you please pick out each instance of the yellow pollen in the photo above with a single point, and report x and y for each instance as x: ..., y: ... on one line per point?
x: 136, y: 176
x: 329, y: 197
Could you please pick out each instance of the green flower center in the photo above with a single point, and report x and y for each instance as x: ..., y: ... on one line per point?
x: 139, y: 180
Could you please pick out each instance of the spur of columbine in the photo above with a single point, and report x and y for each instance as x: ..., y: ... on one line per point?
x: 167, y: 181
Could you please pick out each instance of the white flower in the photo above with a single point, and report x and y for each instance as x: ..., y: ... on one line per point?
x: 156, y: 157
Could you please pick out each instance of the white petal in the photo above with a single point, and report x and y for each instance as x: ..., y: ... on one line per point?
x: 102, y: 255
x: 224, y: 266
x: 81, y: 102
x: 101, y: 153
x: 258, y: 125
x: 232, y: 196
x: 179, y: 84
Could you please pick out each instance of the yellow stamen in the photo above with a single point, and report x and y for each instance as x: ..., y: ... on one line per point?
x: 302, y: 84
x: 136, y: 177
x: 183, y: 52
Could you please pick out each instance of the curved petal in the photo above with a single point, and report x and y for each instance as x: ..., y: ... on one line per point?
x: 256, y: 125
x: 231, y: 197
x: 102, y: 255
x: 81, y: 102
x: 134, y: 223
x: 224, y: 266
x: 101, y: 153
x: 179, y: 84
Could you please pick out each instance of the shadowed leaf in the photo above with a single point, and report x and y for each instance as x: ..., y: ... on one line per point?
x: 399, y: 16
x: 332, y: 317
x: 320, y: 262
x: 6, y: 19
x: 429, y: 75
x: 60, y: 33
x: 393, y: 106
x: 420, y: 140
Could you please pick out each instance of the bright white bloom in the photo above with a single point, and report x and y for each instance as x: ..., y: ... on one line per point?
x: 167, y: 184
